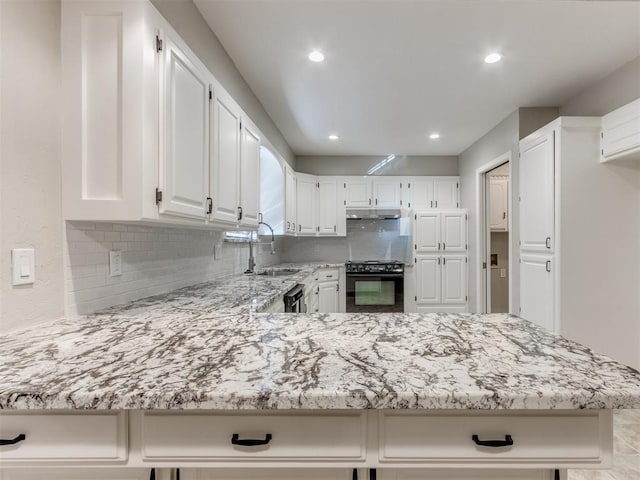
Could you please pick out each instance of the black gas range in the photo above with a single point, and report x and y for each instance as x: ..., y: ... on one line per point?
x: 375, y: 286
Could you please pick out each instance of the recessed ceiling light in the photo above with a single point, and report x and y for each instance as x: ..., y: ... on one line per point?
x: 434, y: 136
x: 316, y: 56
x: 492, y: 58
x: 333, y: 137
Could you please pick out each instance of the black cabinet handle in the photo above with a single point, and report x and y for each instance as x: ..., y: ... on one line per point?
x: 507, y: 442
x: 547, y: 242
x: 250, y: 442
x: 13, y: 441
x: 152, y: 474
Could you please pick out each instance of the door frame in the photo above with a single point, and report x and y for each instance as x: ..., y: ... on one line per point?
x: 483, y: 233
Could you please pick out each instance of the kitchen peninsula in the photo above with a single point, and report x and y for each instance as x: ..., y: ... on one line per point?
x: 182, y: 380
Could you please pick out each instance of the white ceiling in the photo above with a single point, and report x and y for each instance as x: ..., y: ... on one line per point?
x: 397, y: 70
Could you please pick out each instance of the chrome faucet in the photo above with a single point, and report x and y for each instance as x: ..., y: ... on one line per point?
x: 252, y: 260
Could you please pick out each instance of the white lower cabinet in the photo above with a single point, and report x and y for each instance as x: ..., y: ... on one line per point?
x: 81, y: 474
x: 441, y: 474
x: 266, y: 474
x: 441, y: 281
x: 537, y: 290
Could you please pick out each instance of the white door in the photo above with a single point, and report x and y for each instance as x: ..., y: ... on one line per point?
x: 358, y: 192
x: 327, y: 206
x: 454, y: 279
x: 328, y: 297
x: 420, y: 194
x: 290, y: 199
x: 226, y: 159
x: 537, y: 300
x: 428, y: 268
x: 537, y: 198
x: 249, y: 176
x: 454, y: 231
x: 498, y: 204
x: 306, y: 204
x: 426, y: 232
x: 386, y: 193
x: 445, y: 193
x: 184, y: 159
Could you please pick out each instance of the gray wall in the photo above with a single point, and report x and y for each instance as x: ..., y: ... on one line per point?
x: 360, y: 165
x: 191, y: 26
x: 503, y: 138
x: 615, y: 90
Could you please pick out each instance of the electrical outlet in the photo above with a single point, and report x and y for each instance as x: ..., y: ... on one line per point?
x: 115, y: 263
x: 316, y: 248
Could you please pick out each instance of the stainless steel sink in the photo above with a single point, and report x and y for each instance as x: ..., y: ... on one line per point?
x: 272, y: 272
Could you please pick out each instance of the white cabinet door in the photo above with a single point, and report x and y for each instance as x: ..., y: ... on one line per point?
x: 621, y: 132
x: 463, y: 474
x: 226, y: 159
x: 537, y: 197
x: 386, y: 193
x: 454, y: 279
x: 327, y: 206
x: 537, y: 290
x: 328, y: 296
x: 358, y: 192
x: 428, y: 269
x: 427, y: 232
x: 249, y: 175
x: 498, y: 204
x: 420, y: 194
x: 121, y: 473
x: 184, y: 158
x: 290, y: 199
x: 306, y: 204
x: 454, y: 231
x: 445, y: 193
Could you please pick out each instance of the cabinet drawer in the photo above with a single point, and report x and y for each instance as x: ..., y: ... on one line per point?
x: 209, y: 436
x: 64, y: 437
x: 328, y: 275
x: 544, y: 438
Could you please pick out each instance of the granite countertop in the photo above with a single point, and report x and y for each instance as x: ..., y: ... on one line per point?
x: 188, y: 350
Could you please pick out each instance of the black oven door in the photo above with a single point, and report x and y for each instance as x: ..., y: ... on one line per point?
x: 375, y: 293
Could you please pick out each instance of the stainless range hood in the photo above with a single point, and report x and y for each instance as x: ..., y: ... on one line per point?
x: 372, y: 213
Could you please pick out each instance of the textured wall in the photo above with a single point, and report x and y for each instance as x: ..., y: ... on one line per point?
x: 30, y: 214
x: 154, y: 260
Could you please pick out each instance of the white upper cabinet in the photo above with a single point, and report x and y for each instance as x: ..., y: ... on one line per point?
x: 440, y: 231
x: 290, y: 200
x: 621, y: 133
x: 498, y: 204
x: 537, y: 197
x: 110, y: 80
x: 249, y: 175
x: 386, y: 192
x: 306, y: 204
x: 327, y: 206
x: 423, y: 193
x: 184, y: 155
x: 357, y: 192
x: 446, y: 193
x: 226, y: 159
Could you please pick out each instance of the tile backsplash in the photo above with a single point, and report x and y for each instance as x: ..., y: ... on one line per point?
x: 365, y: 240
x: 155, y: 260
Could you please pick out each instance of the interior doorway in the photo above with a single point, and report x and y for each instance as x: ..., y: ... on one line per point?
x: 494, y: 236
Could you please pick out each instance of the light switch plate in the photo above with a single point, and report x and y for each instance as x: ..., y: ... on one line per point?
x: 217, y: 252
x: 23, y: 266
x: 115, y: 263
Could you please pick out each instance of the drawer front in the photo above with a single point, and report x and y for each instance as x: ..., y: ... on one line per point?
x: 64, y: 437
x: 467, y: 474
x: 536, y: 439
x: 209, y: 436
x: 328, y: 275
x: 266, y: 474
